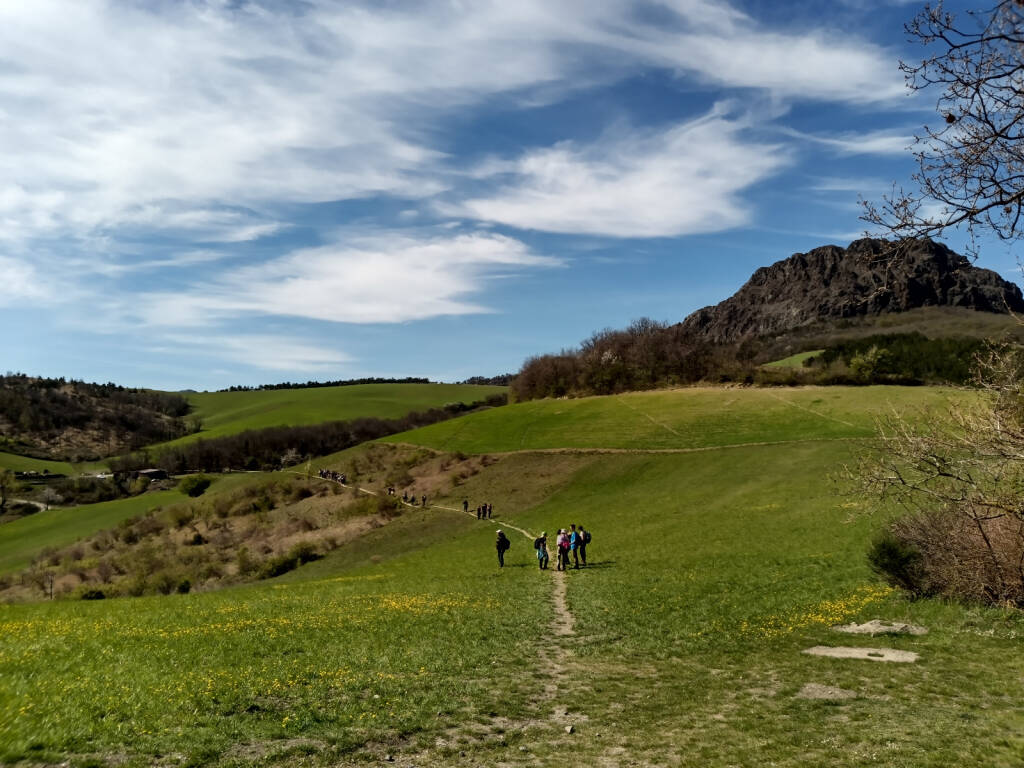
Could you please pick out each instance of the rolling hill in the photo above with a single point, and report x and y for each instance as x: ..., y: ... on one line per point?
x: 228, y: 413
x: 723, y: 548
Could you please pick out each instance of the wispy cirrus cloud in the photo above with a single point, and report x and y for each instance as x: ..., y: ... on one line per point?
x: 686, y: 179
x: 880, y: 142
x: 124, y: 114
x: 382, y: 277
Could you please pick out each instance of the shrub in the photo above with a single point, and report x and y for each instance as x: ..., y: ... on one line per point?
x: 92, y: 594
x: 184, y: 587
x: 898, y: 562
x: 194, y: 485
x: 944, y: 552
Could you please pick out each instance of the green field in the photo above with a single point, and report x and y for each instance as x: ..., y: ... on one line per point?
x: 794, y: 361
x: 227, y: 413
x: 681, y: 643
x: 25, y: 464
x: 686, y: 419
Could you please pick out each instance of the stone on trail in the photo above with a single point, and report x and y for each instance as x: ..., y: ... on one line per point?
x: 879, y: 627
x: 871, y: 654
x: 569, y: 729
x: 828, y: 692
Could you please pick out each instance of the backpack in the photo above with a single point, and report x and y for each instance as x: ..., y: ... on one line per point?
x: 536, y: 543
x: 586, y: 537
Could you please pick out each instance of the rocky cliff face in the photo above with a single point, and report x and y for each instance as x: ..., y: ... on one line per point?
x: 831, y: 283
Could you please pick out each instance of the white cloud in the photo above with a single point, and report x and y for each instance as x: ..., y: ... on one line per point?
x: 265, y: 351
x: 369, y: 278
x: 880, y: 142
x: 22, y: 282
x: 684, y: 180
x: 112, y: 110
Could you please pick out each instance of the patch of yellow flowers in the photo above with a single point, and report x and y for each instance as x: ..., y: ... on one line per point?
x: 827, y: 613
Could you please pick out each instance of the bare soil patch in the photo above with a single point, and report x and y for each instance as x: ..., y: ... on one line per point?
x: 871, y: 654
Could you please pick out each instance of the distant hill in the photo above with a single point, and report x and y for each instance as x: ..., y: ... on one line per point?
x: 829, y: 285
x: 74, y: 420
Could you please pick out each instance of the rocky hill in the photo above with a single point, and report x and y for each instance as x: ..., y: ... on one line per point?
x: 864, y: 280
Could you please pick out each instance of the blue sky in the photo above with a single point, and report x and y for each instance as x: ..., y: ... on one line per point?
x: 199, y: 194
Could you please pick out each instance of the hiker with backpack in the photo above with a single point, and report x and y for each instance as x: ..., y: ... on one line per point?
x: 541, y: 545
x: 584, y: 540
x: 575, y: 539
x: 502, y: 544
x: 562, y: 544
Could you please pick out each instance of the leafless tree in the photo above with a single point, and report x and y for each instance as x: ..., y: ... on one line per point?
x: 971, y: 165
x: 961, y: 475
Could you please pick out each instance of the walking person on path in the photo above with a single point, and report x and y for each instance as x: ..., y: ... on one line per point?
x: 490, y: 511
x: 502, y: 544
x: 465, y: 505
x: 584, y: 540
x: 575, y: 539
x: 541, y: 545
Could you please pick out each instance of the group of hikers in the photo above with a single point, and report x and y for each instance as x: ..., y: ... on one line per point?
x: 571, y: 543
x: 483, y: 511
x: 330, y: 474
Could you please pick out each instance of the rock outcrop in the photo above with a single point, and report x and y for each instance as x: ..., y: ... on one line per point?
x: 833, y: 283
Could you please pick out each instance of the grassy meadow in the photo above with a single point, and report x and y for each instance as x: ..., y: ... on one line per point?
x: 709, y: 573
x: 16, y: 463
x: 228, y: 413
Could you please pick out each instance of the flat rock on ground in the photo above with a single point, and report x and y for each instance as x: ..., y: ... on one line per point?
x: 879, y: 627
x: 871, y: 654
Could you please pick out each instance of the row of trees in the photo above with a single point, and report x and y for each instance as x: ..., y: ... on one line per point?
x: 338, y: 383
x: 264, y: 448
x: 644, y: 355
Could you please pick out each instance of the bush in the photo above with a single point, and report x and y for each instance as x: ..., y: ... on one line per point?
x: 92, y: 594
x: 898, y: 562
x: 946, y: 553
x: 194, y: 485
x: 184, y: 587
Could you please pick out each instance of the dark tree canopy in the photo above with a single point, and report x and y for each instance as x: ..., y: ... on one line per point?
x: 971, y: 164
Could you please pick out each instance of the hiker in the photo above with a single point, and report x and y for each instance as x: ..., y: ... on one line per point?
x: 584, y: 540
x: 424, y: 500
x: 490, y: 511
x: 541, y: 545
x: 478, y: 513
x: 575, y: 539
x: 405, y: 495
x: 562, y: 545
x: 502, y: 544
x: 465, y: 505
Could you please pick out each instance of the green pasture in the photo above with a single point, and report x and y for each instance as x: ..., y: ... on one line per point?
x: 227, y: 413
x: 678, y: 420
x: 17, y: 463
x: 793, y: 361
x: 709, y: 573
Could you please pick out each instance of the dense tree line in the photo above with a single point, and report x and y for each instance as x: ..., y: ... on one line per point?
x: 268, y: 448
x: 647, y: 354
x: 338, y: 383
x: 36, y: 410
x: 907, y: 358
x: 501, y: 380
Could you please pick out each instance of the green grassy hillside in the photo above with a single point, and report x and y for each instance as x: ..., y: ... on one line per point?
x: 677, y: 420
x: 680, y: 644
x: 25, y: 464
x: 227, y: 413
